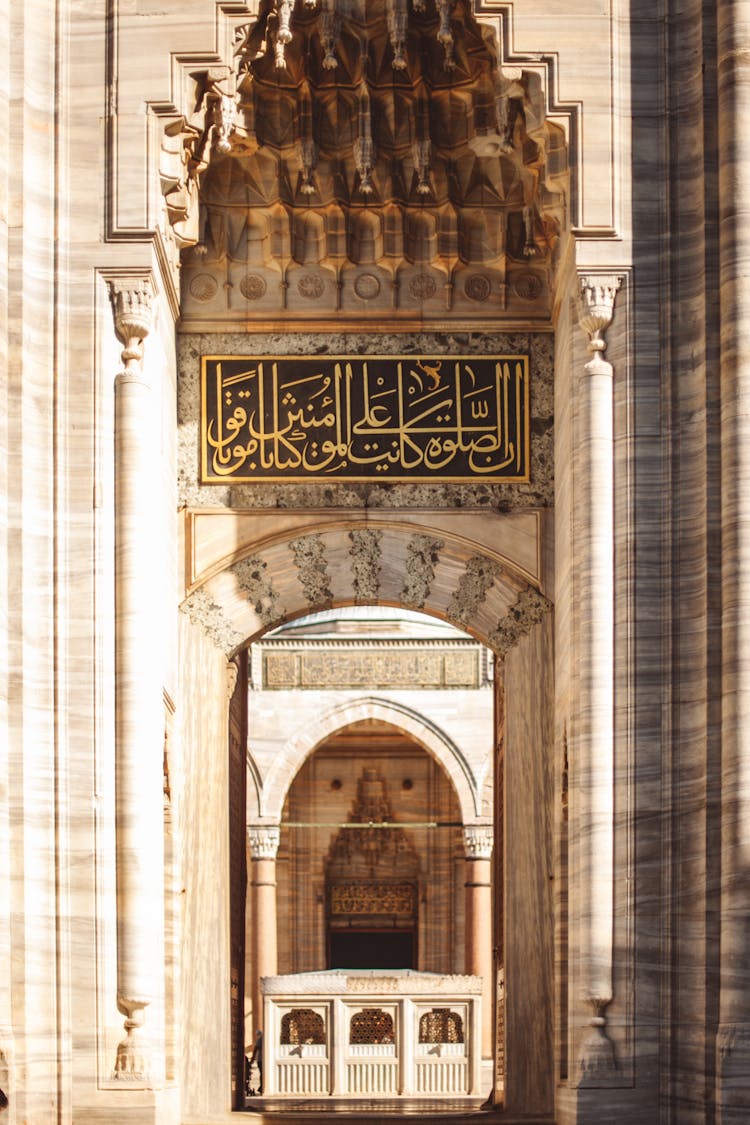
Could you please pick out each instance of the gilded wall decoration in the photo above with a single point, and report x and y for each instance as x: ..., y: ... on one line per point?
x: 318, y: 666
x: 373, y: 898
x: 413, y: 418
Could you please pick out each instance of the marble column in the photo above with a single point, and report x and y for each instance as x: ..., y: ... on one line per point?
x: 139, y: 723
x: 478, y: 840
x: 594, y: 603
x: 264, y: 844
x: 733, y: 1040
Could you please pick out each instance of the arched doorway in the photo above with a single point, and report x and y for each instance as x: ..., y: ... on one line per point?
x: 522, y: 861
x: 389, y: 897
x: 478, y: 254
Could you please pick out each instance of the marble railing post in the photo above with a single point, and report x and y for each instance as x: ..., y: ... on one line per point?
x: 733, y: 1041
x: 139, y: 725
x: 594, y: 605
x: 264, y: 844
x: 478, y: 840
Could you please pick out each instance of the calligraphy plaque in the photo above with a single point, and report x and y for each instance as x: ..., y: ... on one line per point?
x: 365, y: 418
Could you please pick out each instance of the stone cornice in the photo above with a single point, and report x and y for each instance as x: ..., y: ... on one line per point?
x: 375, y: 984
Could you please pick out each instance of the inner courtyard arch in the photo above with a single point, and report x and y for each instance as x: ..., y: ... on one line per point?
x: 519, y: 872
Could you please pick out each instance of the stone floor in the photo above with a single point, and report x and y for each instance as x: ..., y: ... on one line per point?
x: 430, y: 1111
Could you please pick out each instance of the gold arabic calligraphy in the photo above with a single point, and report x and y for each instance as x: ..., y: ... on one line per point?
x: 364, y: 418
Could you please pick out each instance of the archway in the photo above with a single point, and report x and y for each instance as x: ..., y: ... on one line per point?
x: 522, y: 817
x: 480, y: 253
x: 386, y: 897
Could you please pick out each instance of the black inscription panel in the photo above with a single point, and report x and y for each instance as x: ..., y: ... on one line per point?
x: 365, y: 418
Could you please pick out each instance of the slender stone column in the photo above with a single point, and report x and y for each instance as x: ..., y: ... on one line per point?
x: 595, y: 610
x: 264, y: 844
x: 478, y: 839
x: 733, y: 1043
x: 139, y: 725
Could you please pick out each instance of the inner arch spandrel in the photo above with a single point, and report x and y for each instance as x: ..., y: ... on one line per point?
x: 458, y: 581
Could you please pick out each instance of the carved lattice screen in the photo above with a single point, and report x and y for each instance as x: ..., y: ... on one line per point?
x: 441, y: 1025
x: 372, y: 1025
x: 302, y: 1025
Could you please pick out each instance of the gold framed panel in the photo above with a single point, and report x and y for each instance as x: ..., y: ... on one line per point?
x: 369, y: 419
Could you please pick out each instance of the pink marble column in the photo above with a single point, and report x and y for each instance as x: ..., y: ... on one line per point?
x: 594, y: 603
x: 139, y: 725
x: 478, y: 839
x: 733, y: 1040
x: 264, y: 844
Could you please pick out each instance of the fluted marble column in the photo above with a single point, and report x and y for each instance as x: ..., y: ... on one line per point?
x: 264, y: 844
x: 594, y: 606
x: 478, y: 840
x: 733, y: 1041
x: 138, y: 688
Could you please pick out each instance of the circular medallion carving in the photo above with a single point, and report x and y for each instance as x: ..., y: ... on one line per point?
x: 203, y: 287
x: 367, y: 286
x: 478, y: 287
x: 310, y: 286
x: 527, y: 286
x: 252, y: 287
x: 422, y: 287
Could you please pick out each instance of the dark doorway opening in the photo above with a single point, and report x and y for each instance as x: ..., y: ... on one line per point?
x: 371, y: 949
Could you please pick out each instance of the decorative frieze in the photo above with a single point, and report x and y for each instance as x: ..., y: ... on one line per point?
x: 320, y: 665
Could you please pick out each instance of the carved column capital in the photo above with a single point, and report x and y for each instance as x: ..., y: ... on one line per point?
x: 596, y: 304
x: 478, y: 841
x: 263, y: 840
x: 132, y: 308
x: 232, y: 674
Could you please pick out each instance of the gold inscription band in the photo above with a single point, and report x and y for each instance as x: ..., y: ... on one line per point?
x: 298, y: 418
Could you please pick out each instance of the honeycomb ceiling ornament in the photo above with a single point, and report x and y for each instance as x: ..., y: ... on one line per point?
x: 375, y: 158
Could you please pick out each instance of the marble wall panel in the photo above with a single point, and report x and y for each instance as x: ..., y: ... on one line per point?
x: 528, y: 912
x: 202, y: 810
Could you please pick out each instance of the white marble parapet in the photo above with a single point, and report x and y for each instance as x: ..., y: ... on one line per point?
x: 400, y: 982
x: 372, y: 1033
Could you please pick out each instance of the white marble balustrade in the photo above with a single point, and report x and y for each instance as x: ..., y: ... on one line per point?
x: 314, y: 1024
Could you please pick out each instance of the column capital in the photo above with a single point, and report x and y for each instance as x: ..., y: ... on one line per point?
x: 596, y: 304
x: 132, y: 309
x: 232, y: 674
x: 478, y: 841
x: 263, y: 840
